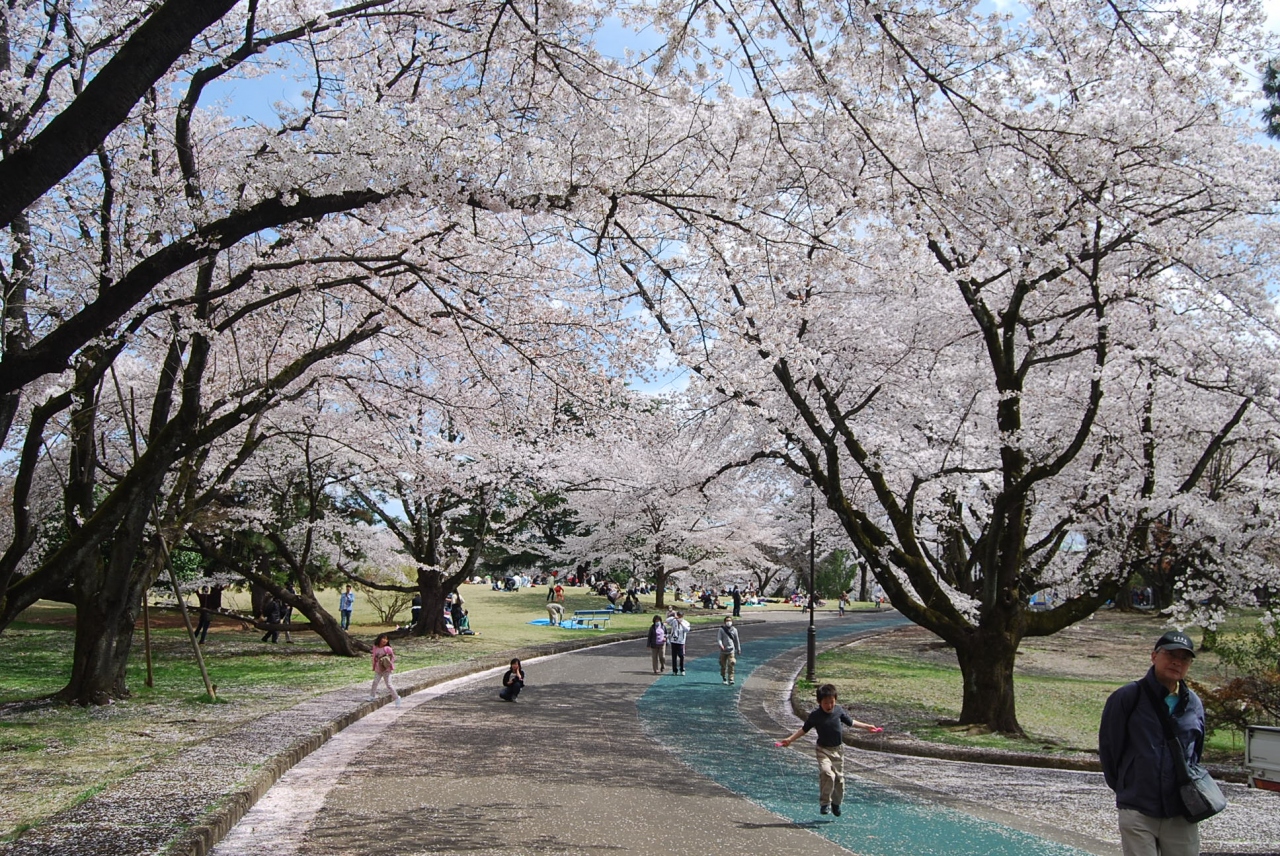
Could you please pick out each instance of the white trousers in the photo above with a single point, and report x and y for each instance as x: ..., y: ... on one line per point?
x: 385, y: 677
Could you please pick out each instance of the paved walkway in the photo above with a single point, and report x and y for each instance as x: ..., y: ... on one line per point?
x: 601, y: 756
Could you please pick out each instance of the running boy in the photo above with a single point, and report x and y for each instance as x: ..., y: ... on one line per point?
x: 827, y: 719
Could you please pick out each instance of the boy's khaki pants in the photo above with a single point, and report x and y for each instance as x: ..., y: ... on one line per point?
x: 830, y: 775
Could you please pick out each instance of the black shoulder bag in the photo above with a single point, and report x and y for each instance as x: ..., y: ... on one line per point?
x: 1200, y: 795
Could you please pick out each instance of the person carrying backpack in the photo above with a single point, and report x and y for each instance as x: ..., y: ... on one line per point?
x: 384, y: 663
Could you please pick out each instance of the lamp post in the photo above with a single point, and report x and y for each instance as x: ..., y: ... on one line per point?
x: 812, y: 650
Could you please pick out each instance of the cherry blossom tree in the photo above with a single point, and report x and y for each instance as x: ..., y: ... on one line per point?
x: 173, y: 271
x: 997, y: 286
x: 650, y: 499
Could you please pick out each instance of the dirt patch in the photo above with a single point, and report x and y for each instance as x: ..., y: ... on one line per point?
x: 1110, y: 646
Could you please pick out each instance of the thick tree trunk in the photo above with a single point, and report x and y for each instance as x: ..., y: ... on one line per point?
x: 431, y: 587
x: 104, y: 635
x: 108, y: 603
x: 986, y: 663
x: 660, y: 585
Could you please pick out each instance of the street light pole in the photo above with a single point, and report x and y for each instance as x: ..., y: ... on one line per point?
x: 812, y: 651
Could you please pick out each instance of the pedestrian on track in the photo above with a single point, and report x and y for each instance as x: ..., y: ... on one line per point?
x: 512, y: 681
x: 827, y: 719
x: 384, y: 663
x: 677, y: 633
x: 1137, y: 757
x: 730, y: 647
x: 657, y: 644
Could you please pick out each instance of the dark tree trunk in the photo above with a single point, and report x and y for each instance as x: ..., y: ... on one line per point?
x: 660, y: 584
x: 108, y: 597
x: 104, y: 635
x: 431, y: 585
x: 986, y: 660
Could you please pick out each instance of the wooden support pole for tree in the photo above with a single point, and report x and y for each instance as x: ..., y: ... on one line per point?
x: 182, y: 605
x: 146, y: 637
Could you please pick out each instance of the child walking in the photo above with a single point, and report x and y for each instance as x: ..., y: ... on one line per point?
x: 656, y: 643
x: 827, y: 718
x: 384, y: 663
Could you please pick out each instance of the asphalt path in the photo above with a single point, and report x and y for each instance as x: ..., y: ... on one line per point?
x: 599, y: 755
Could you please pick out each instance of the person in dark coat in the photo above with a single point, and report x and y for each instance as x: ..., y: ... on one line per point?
x: 272, y: 613
x: 1138, y: 762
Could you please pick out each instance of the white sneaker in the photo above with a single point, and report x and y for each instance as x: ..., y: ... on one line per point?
x: 371, y: 698
x: 397, y: 701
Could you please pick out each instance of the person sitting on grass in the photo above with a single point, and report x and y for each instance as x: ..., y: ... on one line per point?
x: 828, y: 718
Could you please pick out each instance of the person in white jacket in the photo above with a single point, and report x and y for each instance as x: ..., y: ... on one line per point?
x: 677, y: 634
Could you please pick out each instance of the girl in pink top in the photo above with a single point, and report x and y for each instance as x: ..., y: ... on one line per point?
x: 384, y: 663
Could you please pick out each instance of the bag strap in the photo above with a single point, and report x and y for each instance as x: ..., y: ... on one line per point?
x: 1162, y: 709
x: 1180, y: 767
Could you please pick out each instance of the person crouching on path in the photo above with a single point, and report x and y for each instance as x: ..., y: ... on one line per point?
x: 730, y: 648
x: 512, y: 681
x: 677, y: 632
x: 657, y: 643
x: 384, y: 663
x: 827, y: 718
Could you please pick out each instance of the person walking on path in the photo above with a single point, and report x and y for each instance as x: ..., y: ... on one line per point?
x: 827, y: 719
x: 384, y: 663
x: 272, y: 612
x: 730, y: 647
x: 512, y: 681
x: 677, y: 634
x: 657, y: 644
x: 555, y: 612
x: 346, y: 603
x: 203, y: 597
x: 1136, y: 759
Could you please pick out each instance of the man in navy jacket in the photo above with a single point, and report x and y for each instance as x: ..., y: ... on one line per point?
x: 1137, y: 761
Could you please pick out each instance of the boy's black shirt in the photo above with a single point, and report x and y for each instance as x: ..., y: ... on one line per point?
x: 828, y: 725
